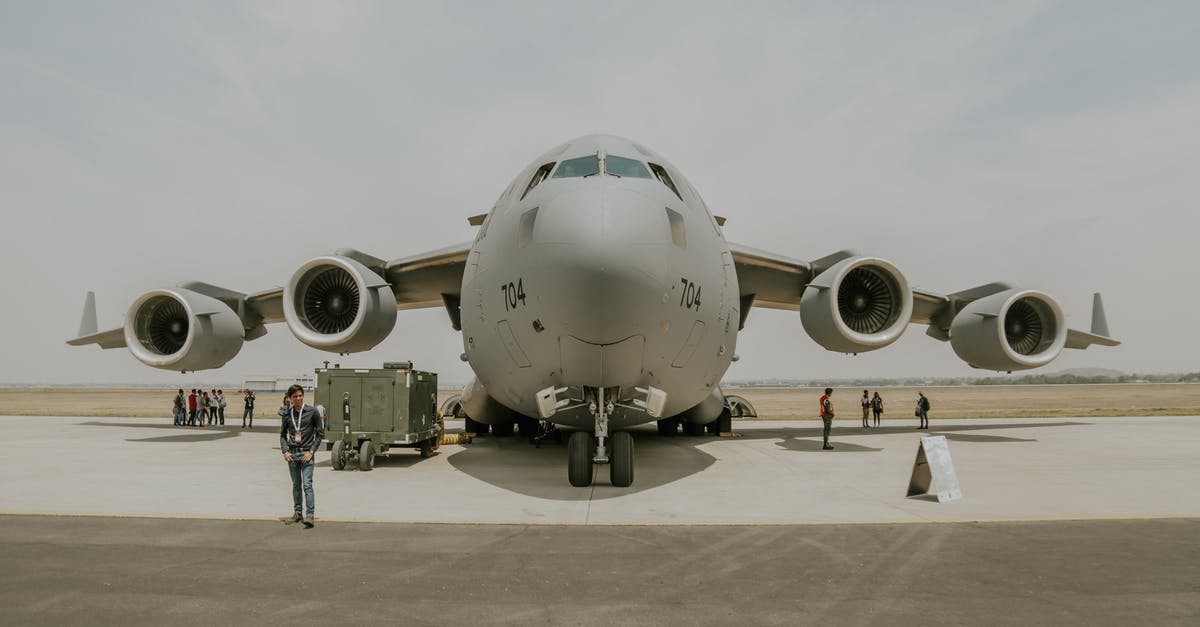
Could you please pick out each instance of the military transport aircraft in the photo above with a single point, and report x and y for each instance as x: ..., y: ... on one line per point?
x: 599, y: 293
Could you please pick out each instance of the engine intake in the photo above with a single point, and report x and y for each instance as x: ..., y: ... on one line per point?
x: 178, y: 329
x: 857, y: 305
x: 1012, y: 330
x: 337, y: 304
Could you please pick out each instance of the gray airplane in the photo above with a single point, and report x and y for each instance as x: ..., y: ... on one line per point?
x: 599, y: 293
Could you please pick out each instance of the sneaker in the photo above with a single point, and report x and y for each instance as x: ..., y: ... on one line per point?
x: 308, y: 522
x: 827, y: 447
x: 294, y: 519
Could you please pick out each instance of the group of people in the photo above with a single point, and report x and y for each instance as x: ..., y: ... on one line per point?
x: 204, y: 407
x: 872, y: 406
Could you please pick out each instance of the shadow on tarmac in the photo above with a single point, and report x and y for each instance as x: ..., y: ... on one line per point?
x: 184, y: 433
x: 511, y: 463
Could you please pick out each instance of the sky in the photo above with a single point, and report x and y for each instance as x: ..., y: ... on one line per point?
x: 1053, y: 145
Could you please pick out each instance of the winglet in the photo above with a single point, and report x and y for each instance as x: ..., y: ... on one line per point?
x: 1099, y: 321
x: 87, y: 322
x: 89, y: 333
x: 1099, y: 333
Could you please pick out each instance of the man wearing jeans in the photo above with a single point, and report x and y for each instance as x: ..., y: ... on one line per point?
x: 300, y: 433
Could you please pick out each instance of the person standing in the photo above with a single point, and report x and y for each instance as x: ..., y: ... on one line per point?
x: 300, y: 433
x: 177, y: 408
x: 192, y: 408
x: 205, y: 409
x: 221, y: 406
x: 866, y: 407
x: 923, y: 410
x: 248, y: 413
x: 877, y: 407
x: 826, y: 403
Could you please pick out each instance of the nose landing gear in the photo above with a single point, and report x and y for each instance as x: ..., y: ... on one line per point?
x: 581, y: 454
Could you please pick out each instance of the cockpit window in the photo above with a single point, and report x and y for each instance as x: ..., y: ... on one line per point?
x: 624, y: 167
x: 661, y: 174
x: 538, y: 177
x: 580, y: 166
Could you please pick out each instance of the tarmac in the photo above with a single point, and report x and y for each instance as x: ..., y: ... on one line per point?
x: 1073, y: 521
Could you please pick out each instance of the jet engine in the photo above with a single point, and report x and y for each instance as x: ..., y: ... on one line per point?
x: 1011, y: 330
x: 857, y: 305
x: 178, y: 329
x: 337, y: 304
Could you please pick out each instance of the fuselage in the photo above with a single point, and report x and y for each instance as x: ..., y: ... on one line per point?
x: 599, y: 266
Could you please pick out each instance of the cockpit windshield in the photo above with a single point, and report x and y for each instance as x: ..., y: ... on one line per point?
x: 625, y: 167
x: 580, y: 166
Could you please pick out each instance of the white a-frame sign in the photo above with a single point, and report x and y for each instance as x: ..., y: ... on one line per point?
x: 933, y: 470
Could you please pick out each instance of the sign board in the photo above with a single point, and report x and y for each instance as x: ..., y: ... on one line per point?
x: 933, y: 471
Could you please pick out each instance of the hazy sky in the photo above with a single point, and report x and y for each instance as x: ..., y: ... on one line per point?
x: 1052, y: 145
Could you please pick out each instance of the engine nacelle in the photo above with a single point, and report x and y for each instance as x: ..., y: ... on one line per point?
x: 1012, y: 330
x: 857, y: 305
x: 178, y: 329
x: 337, y: 304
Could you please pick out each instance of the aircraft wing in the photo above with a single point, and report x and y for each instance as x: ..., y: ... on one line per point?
x: 770, y: 280
x: 776, y: 281
x: 430, y: 279
x: 423, y: 280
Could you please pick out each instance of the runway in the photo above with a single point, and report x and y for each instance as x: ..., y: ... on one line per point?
x: 135, y: 521
x: 93, y: 570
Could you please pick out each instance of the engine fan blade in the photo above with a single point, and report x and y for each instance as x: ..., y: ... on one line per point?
x: 865, y: 301
x: 331, y: 301
x: 1023, y: 327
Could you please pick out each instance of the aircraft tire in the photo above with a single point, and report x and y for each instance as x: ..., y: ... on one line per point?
x: 693, y: 429
x: 366, y: 455
x: 668, y: 427
x: 579, y: 459
x: 620, y: 463
x: 478, y: 428
x: 724, y: 423
x: 427, y: 448
x: 337, y: 457
x: 504, y: 429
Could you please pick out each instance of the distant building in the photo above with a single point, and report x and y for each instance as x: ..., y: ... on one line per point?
x: 270, y: 383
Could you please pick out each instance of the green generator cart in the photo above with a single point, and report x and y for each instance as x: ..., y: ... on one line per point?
x: 369, y: 412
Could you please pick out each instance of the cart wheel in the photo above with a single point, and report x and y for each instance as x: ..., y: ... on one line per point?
x: 427, y: 448
x: 366, y: 455
x: 337, y: 458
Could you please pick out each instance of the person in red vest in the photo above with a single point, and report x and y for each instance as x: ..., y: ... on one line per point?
x: 192, y: 408
x: 826, y: 417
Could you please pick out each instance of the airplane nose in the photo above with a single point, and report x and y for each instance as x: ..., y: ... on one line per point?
x: 604, y: 257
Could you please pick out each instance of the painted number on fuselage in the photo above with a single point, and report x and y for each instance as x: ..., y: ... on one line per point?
x: 514, y: 294
x: 689, y: 296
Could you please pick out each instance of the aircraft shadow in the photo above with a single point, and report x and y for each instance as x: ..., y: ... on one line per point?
x: 952, y: 432
x: 201, y: 436
x: 511, y: 463
x: 814, y: 446
x: 183, y: 434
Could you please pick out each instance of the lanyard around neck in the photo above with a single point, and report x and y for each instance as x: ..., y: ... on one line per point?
x: 296, y: 418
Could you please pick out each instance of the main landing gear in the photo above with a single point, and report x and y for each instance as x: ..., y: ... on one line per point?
x: 584, y: 450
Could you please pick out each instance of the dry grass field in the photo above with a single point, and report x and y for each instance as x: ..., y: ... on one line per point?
x: 1039, y: 401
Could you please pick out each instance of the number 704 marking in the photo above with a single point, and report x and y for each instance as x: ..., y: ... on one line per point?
x: 514, y: 294
x: 689, y: 296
